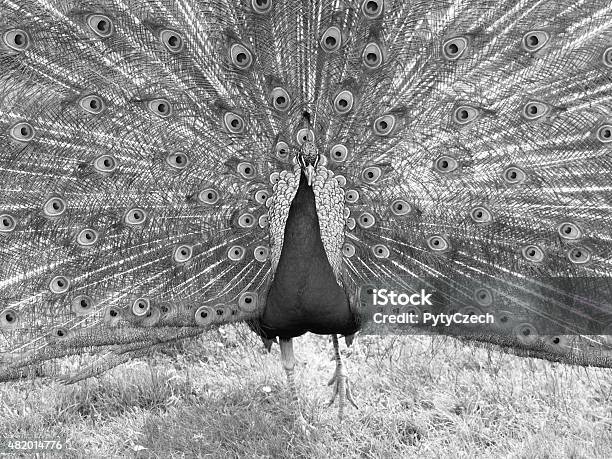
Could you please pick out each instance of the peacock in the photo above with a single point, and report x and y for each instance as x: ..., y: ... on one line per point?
x: 168, y: 167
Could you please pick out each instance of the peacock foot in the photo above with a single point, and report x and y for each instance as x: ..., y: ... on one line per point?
x: 342, y: 390
x: 303, y: 426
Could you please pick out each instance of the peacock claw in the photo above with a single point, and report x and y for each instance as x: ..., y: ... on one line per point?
x: 342, y: 390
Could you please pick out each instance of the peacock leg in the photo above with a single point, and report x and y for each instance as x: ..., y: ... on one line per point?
x: 288, y: 360
x: 342, y: 388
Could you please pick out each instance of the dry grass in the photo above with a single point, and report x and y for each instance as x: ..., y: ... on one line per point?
x: 223, y: 396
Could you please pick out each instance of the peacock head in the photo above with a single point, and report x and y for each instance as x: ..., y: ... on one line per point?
x: 308, y: 159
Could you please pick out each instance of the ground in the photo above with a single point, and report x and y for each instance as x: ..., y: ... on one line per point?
x: 224, y: 396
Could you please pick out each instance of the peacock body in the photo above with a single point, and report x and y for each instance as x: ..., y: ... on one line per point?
x: 167, y: 167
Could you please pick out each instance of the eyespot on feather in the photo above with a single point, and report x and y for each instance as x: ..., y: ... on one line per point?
x: 481, y: 215
x: 535, y: 40
x: 177, y: 161
x: 331, y: 40
x: 384, y: 125
x: 438, y: 243
x: 372, y: 56
x: 260, y: 253
x: 338, y: 153
x: 513, y: 175
x: 59, y: 285
x: 372, y: 9
x: 54, y: 207
x: 22, y: 132
x: 483, y: 297
x: 87, y: 237
x: 261, y: 6
x: 209, y: 196
x: 234, y: 123
x: 7, y: 223
x: 280, y: 98
x: 446, y: 164
x: 343, y: 102
x: 248, y: 301
x: 465, y: 114
x: 400, y: 207
x: 246, y: 170
x: 526, y: 333
x: 9, y: 319
x: 92, y: 104
x: 101, y: 25
x: 453, y: 48
x: 348, y: 250
x: 135, y: 216
x: 380, y: 251
x: 16, y: 40
x: 371, y: 174
x: 569, y: 231
x: 172, y: 40
x: 141, y: 307
x: 82, y: 305
x: 236, y: 253
x: 579, y: 255
x: 105, y: 164
x: 160, y: 107
x: 204, y: 315
x: 534, y: 110
x: 366, y: 220
x: 241, y: 56
x: 182, y: 254
x: 533, y: 253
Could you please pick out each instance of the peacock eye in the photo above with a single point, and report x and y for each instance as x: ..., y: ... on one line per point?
x: 82, y: 305
x: 534, y: 110
x: 513, y: 175
x: 264, y: 221
x: 371, y: 174
x: 533, y: 253
x: 570, y: 231
x: 172, y: 40
x: 438, y: 243
x: 92, y: 104
x: 579, y: 255
x: 16, y: 39
x: 160, y: 107
x: 380, y: 251
x: 366, y: 220
x: 372, y: 9
x: 483, y: 297
x: 247, y: 301
x: 246, y: 170
x: 9, y: 319
x: 105, y: 164
x: 261, y: 196
x: 22, y: 132
x: 204, y: 316
x: 348, y: 250
x: 59, y: 284
x: 101, y: 25
x: 304, y: 135
x: 261, y: 6
x: 208, y: 196
x: 282, y: 150
x: 141, y: 307
x: 246, y: 220
x: 135, y: 217
x: 87, y: 237
x: 182, y: 254
x: 604, y: 133
x: 280, y: 99
x: 480, y: 214
x: 233, y: 123
x: 331, y: 40
x: 54, y: 207
x: 352, y: 196
x: 400, y: 207
x: 383, y: 125
x: 7, y: 223
x: 236, y: 253
x: 261, y: 253
x: 465, y: 114
x: 453, y: 48
x: 446, y: 164
x: 241, y: 56
x: 607, y: 57
x: 60, y: 333
x: 343, y: 102
x: 526, y: 333
x: 535, y: 40
x: 177, y: 160
x: 372, y: 56
x: 338, y: 153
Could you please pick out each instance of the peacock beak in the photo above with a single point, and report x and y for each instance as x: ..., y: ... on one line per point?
x: 310, y: 173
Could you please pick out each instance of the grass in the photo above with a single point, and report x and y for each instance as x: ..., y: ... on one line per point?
x: 224, y: 396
